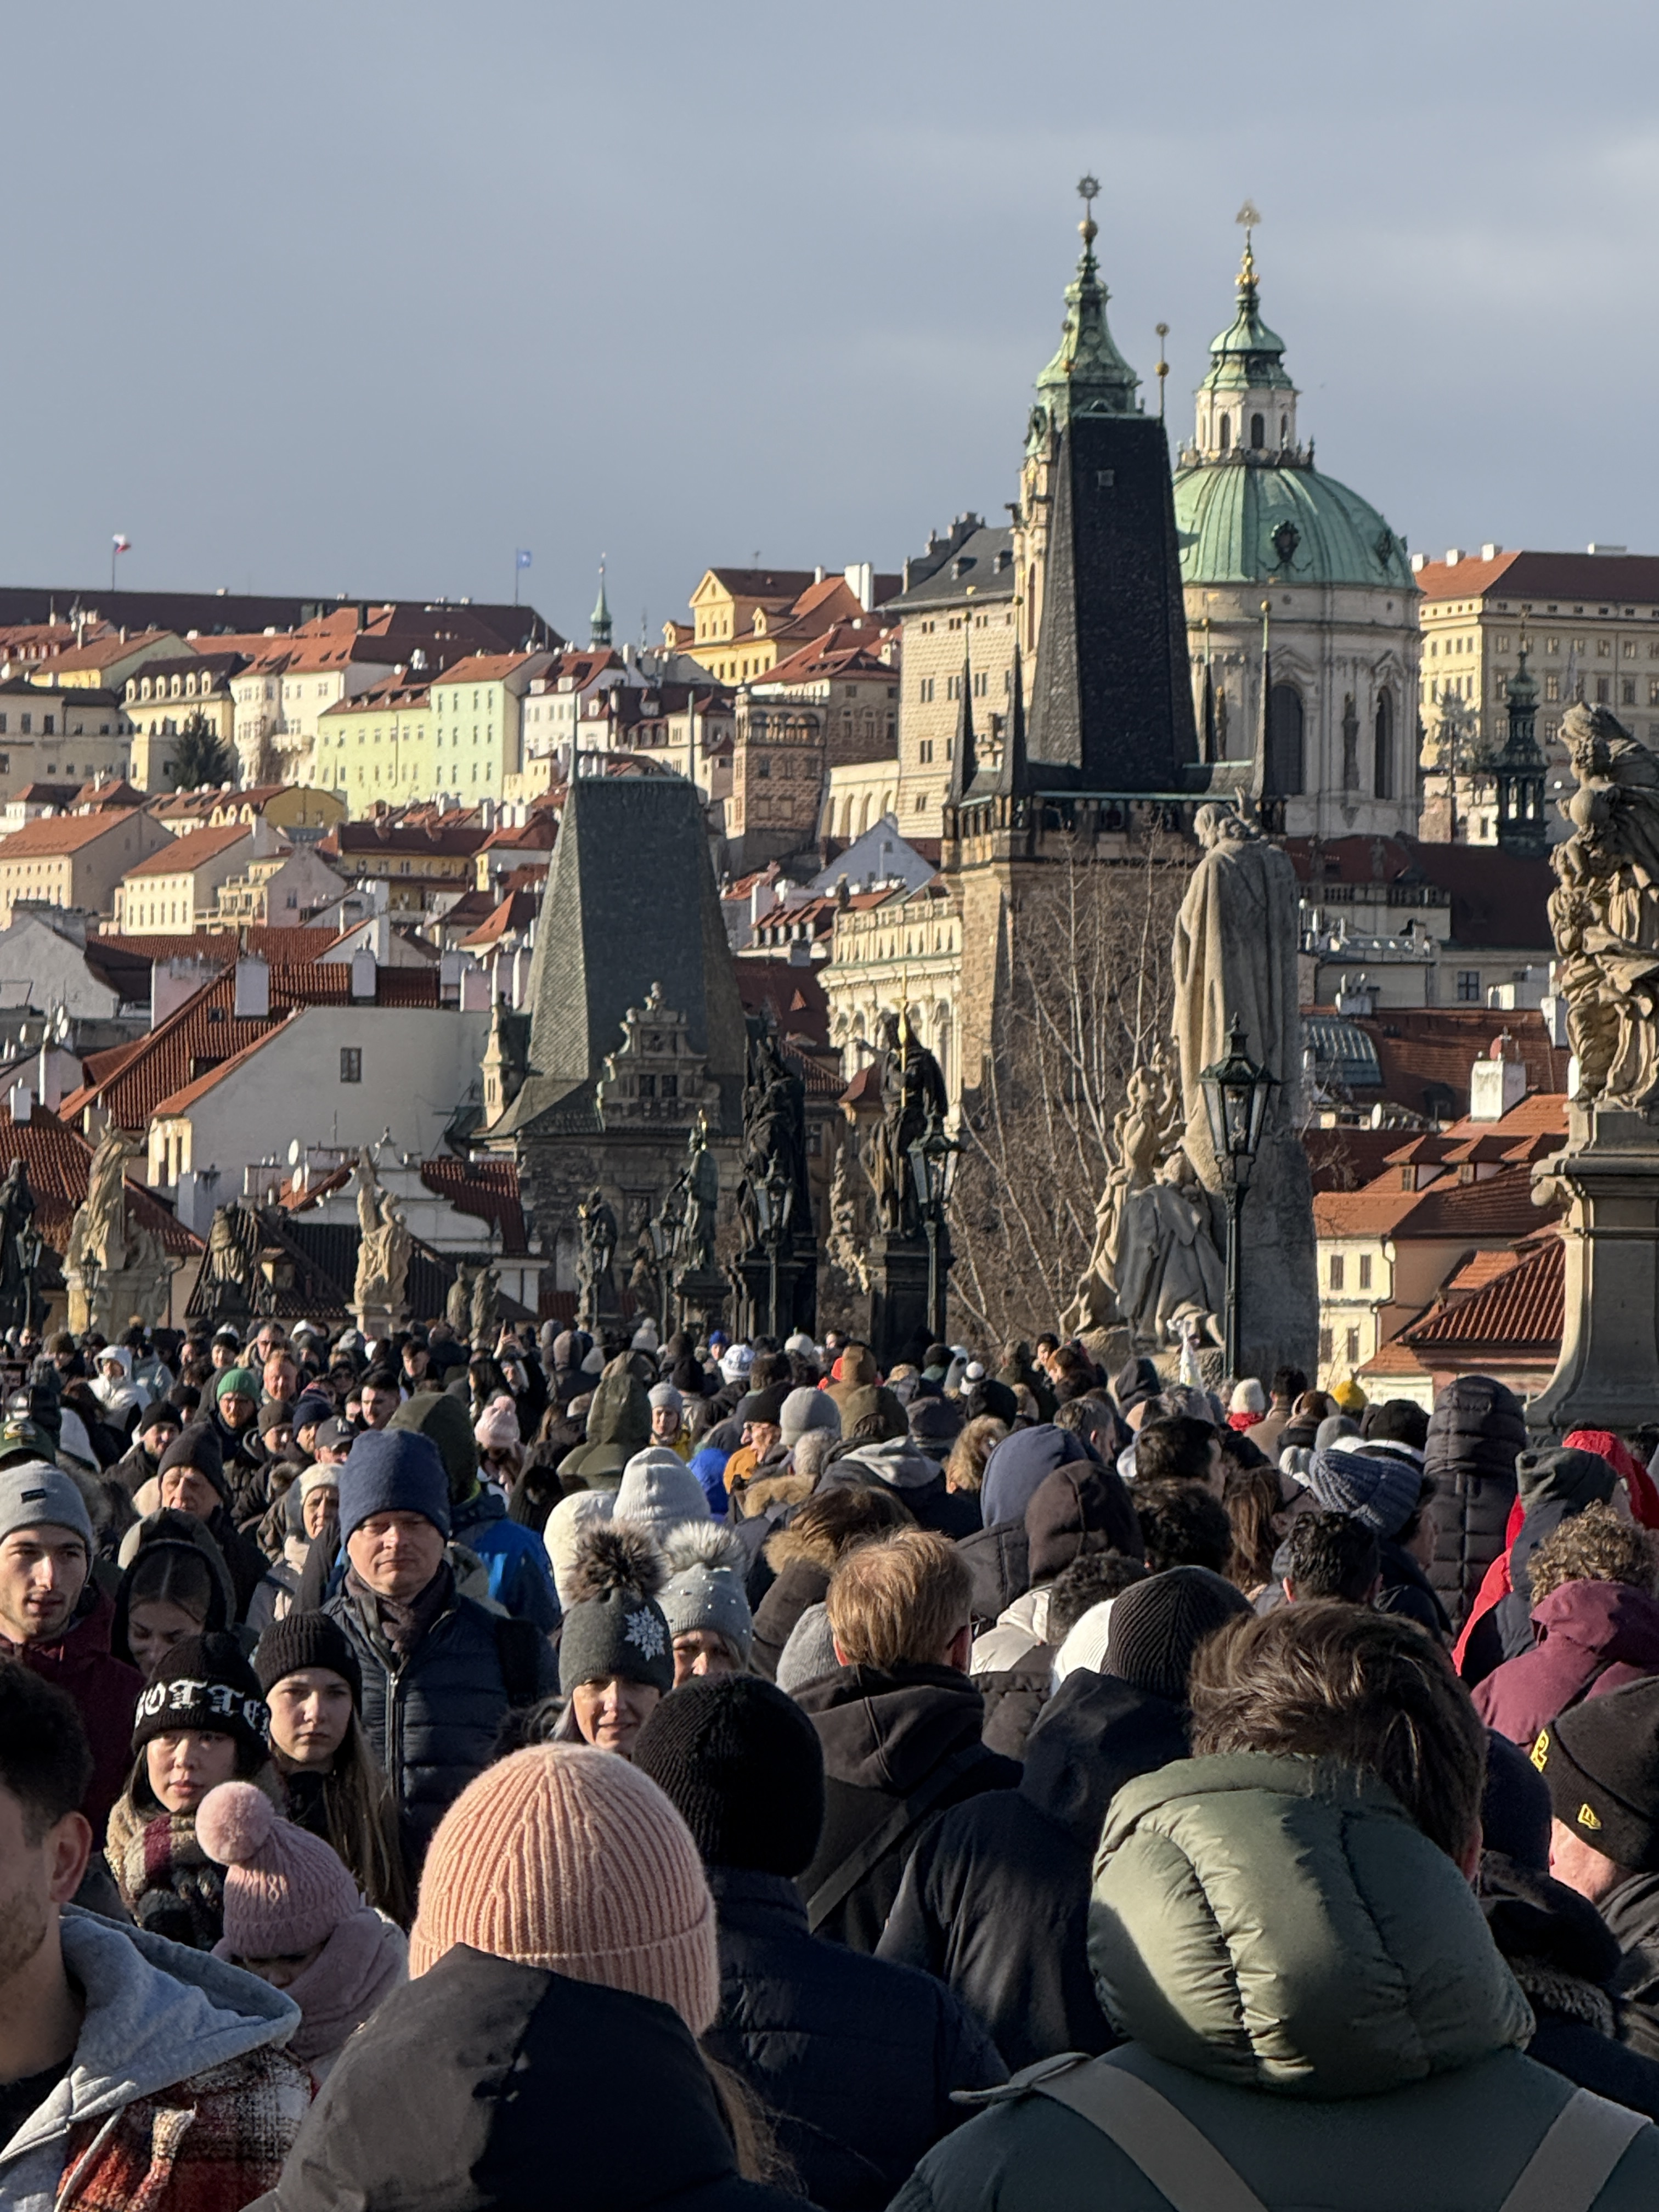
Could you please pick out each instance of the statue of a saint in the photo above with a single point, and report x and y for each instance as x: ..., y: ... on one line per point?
x: 701, y: 1182
x: 384, y: 1245
x: 20, y: 1251
x: 774, y: 1139
x: 1604, y: 912
x: 98, y: 1235
x: 912, y: 1090
x: 596, y: 1290
x: 1168, y: 1276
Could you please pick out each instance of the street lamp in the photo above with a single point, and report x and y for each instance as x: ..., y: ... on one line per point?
x: 933, y: 1164
x: 1236, y: 1099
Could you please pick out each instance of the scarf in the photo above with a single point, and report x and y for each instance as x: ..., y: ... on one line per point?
x: 364, y: 1960
x: 399, y: 1624
x: 168, y: 1882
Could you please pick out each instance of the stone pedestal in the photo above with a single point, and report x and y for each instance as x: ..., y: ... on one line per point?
x: 107, y: 1300
x: 898, y: 1297
x: 377, y: 1323
x: 798, y: 1291
x: 702, y: 1296
x: 1607, y: 1377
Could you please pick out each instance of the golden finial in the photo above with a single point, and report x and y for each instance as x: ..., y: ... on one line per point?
x: 1248, y: 216
x: 1163, y: 330
x: 1088, y: 192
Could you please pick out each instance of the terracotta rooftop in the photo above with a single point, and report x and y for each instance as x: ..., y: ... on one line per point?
x: 794, y: 996
x: 1592, y: 581
x: 100, y: 652
x: 193, y: 850
x: 487, y: 1189
x: 1519, y: 1313
x: 50, y: 836
x: 57, y: 1158
x: 483, y: 668
x: 516, y: 912
x: 1500, y: 1207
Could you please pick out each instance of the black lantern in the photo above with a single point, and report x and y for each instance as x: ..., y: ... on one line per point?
x: 1235, y: 1092
x: 933, y: 1165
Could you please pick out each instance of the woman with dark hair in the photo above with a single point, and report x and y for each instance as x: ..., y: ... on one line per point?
x: 175, y: 1586
x: 198, y: 1723
x: 335, y: 1790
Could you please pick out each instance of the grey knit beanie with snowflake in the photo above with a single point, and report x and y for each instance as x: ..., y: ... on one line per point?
x: 616, y: 1625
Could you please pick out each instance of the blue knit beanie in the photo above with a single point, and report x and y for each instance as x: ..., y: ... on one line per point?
x: 393, y: 1471
x: 1381, y: 1492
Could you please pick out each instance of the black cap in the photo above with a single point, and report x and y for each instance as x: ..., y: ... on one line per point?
x: 306, y: 1640
x: 203, y: 1683
x: 1157, y: 1626
x: 1601, y: 1763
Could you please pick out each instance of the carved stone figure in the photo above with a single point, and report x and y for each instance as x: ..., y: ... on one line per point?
x: 114, y: 1265
x: 230, y: 1281
x: 457, y: 1304
x: 19, y: 1252
x: 384, y: 1245
x: 1143, y: 1133
x: 1170, y: 1280
x: 773, y: 1138
x: 844, y: 1243
x: 596, y: 1288
x: 1604, y: 912
x: 98, y: 1235
x: 1235, y: 959
x: 701, y: 1182
x: 912, y: 1088
x: 484, y: 1316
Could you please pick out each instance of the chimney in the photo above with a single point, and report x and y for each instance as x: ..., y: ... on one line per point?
x: 253, y: 988
x: 1497, y: 1085
x: 861, y: 582
x: 21, y: 1102
x: 365, y: 978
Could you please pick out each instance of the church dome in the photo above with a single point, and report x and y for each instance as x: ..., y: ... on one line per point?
x: 1247, y: 521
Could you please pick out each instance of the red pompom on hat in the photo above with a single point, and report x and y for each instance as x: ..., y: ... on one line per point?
x: 285, y: 1891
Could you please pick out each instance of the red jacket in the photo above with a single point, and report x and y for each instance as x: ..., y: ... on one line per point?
x: 1582, y: 1626
x: 104, y: 1687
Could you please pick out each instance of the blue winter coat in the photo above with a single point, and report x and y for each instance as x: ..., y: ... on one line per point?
x: 519, y: 1577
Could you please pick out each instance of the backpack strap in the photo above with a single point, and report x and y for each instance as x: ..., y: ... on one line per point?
x: 840, y: 1885
x: 1182, y: 2164
x: 1571, y: 2167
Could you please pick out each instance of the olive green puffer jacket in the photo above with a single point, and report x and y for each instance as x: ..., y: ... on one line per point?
x: 1310, y: 1981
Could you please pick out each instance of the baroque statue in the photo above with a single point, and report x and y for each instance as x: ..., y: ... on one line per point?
x: 912, y: 1090
x: 385, y: 1246
x: 1604, y: 912
x: 699, y: 1181
x: 115, y: 1266
x: 596, y: 1288
x: 773, y: 1138
x: 19, y: 1252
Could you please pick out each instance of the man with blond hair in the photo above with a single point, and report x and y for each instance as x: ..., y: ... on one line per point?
x: 899, y: 1721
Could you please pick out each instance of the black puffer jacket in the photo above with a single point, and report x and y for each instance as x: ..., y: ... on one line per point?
x: 1563, y: 1954
x: 1475, y: 1432
x: 433, y: 1718
x: 995, y: 1899
x: 855, y: 2060
x: 889, y: 1739
x: 999, y: 1560
x: 494, y: 2086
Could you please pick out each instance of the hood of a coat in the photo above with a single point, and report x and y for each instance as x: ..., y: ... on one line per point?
x: 1533, y: 1916
x: 492, y: 2043
x: 896, y: 1463
x: 1608, y: 1619
x: 859, y: 1370
x: 887, y: 1731
x: 1282, y: 1924
x: 1018, y: 1465
x: 156, y: 2014
x: 618, y: 1420
x: 1477, y: 1428
x: 442, y: 1420
x: 182, y: 1532
x: 1094, y: 1734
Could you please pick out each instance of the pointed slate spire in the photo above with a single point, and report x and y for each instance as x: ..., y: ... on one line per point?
x: 965, y: 754
x: 1014, y: 778
x: 1088, y: 375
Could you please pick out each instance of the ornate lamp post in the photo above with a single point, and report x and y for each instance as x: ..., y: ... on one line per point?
x: 1236, y: 1099
x: 933, y: 1165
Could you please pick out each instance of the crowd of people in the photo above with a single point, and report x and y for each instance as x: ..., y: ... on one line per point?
x: 725, y: 1778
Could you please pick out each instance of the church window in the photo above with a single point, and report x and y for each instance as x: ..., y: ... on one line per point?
x: 1283, y: 429
x: 1285, y: 775
x: 1383, y: 746
x: 1225, y: 436
x: 1258, y: 431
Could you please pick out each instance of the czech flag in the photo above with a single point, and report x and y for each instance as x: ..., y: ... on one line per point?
x: 123, y: 544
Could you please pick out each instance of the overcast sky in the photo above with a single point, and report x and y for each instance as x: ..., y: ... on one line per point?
x: 361, y: 295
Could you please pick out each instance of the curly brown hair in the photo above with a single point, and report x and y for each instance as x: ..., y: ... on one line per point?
x: 1595, y: 1546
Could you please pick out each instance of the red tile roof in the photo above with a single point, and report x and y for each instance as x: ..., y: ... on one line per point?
x: 516, y: 911
x: 1519, y: 1313
x: 487, y: 1189
x: 794, y: 996
x: 1344, y: 1159
x: 1498, y: 1209
x: 1592, y: 579
x: 1496, y: 898
x: 184, y: 855
x: 52, y: 836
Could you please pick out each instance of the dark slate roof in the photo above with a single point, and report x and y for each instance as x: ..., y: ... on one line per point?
x: 973, y: 567
x: 631, y: 901
x: 1111, y: 701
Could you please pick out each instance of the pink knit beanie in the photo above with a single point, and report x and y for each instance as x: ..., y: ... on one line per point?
x: 569, y: 1859
x: 497, y: 1428
x: 284, y: 1890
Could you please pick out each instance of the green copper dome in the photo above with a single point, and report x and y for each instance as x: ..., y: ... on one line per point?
x: 1088, y: 375
x: 1244, y: 522
x: 1246, y: 355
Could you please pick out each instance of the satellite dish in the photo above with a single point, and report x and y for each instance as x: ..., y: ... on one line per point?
x: 293, y: 1153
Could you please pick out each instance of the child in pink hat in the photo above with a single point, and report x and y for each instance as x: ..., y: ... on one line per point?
x: 294, y: 1917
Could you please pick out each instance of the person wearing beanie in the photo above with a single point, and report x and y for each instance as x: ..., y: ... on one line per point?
x: 157, y: 1426
x: 659, y: 1493
x: 312, y: 1678
x: 514, y: 1561
x: 293, y: 1916
x: 803, y: 1409
x: 560, y: 1860
x: 703, y: 1600
x: 439, y: 1671
x: 1248, y: 1404
x: 232, y: 1410
x: 667, y: 1403
x: 57, y: 1620
x: 200, y: 1720
x: 1349, y: 1397
x: 1388, y: 1493
x: 615, y: 1659
x: 191, y: 1479
x: 855, y: 2059
x: 500, y: 1447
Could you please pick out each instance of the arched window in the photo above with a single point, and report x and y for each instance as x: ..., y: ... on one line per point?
x: 1224, y: 433
x: 1283, y: 429
x: 1383, y: 771
x: 1258, y: 433
x: 1285, y: 768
